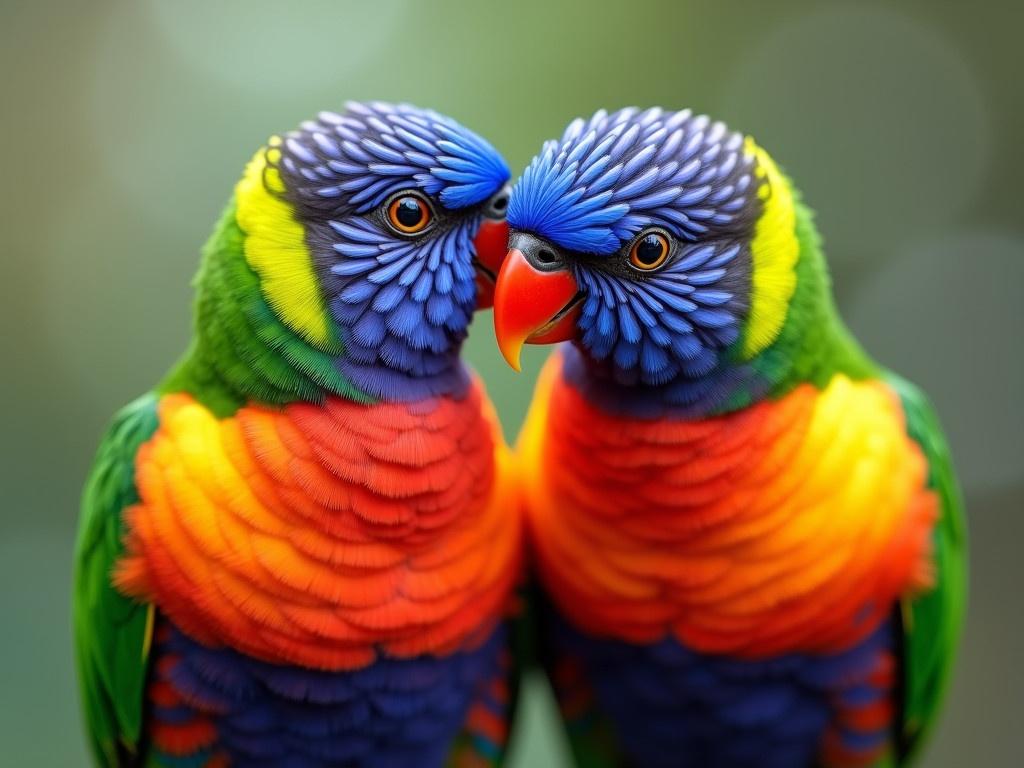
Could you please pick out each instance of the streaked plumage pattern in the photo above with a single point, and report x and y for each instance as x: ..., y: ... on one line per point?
x: 748, y: 534
x: 300, y: 549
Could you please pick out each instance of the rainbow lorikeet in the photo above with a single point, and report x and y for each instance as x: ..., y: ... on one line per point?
x: 749, y: 534
x: 297, y: 550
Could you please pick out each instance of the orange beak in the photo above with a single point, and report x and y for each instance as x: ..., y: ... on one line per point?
x: 491, y: 242
x: 532, y: 306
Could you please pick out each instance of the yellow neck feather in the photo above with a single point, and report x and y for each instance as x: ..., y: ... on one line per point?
x: 275, y: 247
x: 774, y: 250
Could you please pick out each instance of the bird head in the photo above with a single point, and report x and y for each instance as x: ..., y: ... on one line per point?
x: 375, y: 234
x: 661, y: 243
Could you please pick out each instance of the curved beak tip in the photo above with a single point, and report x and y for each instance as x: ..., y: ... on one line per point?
x: 528, y: 300
x: 512, y: 353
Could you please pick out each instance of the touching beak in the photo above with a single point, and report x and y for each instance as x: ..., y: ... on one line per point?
x: 536, y: 299
x: 491, y: 243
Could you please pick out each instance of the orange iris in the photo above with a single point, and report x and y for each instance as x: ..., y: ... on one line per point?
x: 409, y: 214
x: 649, y: 251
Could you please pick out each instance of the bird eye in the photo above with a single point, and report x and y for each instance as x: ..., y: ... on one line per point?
x: 409, y: 214
x: 649, y: 251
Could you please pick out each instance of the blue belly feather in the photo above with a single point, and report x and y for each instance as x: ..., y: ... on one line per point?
x: 670, y: 706
x: 395, y: 712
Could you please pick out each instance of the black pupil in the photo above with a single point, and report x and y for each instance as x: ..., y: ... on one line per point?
x: 409, y: 213
x: 501, y: 203
x: 650, y: 250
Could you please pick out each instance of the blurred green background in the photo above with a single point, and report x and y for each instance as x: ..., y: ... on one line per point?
x: 126, y: 124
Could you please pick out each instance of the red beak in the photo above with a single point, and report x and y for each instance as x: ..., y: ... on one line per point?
x: 491, y: 242
x: 532, y: 306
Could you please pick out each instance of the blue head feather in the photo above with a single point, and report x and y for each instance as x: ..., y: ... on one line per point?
x: 611, y: 176
x: 402, y: 304
x: 607, y: 180
x: 357, y: 159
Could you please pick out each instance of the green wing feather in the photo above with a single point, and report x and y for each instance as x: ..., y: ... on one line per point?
x: 112, y: 633
x: 932, y: 621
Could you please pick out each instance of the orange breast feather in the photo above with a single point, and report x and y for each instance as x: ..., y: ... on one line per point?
x: 317, y: 534
x: 793, y: 525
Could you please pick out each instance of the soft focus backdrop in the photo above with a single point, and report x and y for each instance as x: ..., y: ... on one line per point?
x: 125, y: 125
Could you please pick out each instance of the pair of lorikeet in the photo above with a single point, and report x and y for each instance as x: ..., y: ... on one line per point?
x: 308, y: 545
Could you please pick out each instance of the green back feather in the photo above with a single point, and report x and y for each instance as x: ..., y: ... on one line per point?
x: 112, y: 632
x: 932, y: 622
x: 813, y: 344
x: 241, y: 350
